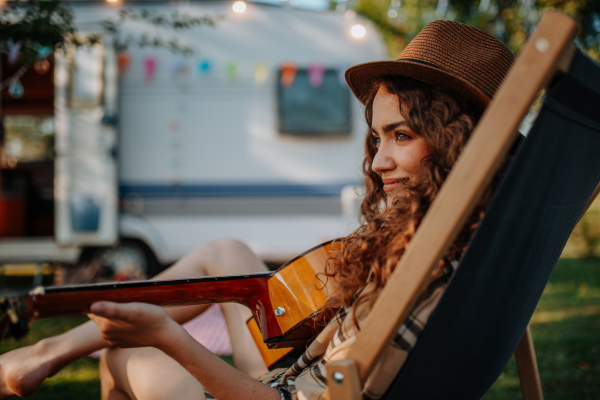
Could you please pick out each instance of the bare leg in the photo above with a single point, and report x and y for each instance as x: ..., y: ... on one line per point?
x: 23, y: 370
x: 147, y: 373
x: 132, y: 374
x: 108, y: 386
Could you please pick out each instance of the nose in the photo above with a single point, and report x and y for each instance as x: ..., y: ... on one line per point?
x: 383, y: 160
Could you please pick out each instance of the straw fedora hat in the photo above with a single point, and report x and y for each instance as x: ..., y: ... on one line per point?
x: 456, y: 56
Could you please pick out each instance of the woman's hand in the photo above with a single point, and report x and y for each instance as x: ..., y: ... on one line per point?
x: 132, y: 324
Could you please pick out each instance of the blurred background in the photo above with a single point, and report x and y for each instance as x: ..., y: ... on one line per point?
x: 132, y: 131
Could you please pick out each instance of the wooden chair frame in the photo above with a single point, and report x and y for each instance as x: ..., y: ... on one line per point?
x: 548, y: 51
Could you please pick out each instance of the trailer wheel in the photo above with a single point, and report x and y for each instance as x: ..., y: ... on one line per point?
x: 130, y: 259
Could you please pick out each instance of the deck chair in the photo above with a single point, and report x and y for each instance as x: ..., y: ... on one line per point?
x: 483, y: 316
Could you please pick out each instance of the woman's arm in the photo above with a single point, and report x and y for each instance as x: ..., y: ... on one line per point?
x: 141, y: 325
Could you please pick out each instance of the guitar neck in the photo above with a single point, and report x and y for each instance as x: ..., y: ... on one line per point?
x: 76, y: 299
x: 282, y: 302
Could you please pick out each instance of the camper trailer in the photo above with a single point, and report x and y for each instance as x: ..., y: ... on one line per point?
x: 253, y: 136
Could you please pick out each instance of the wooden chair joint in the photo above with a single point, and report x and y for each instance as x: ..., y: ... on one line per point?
x: 343, y: 379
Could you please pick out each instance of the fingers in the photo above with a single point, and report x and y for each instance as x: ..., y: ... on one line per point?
x: 113, y: 320
x: 111, y: 317
x: 131, y: 324
x: 98, y: 308
x: 108, y: 309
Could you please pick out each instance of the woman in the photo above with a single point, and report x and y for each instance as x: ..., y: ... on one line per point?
x: 420, y: 110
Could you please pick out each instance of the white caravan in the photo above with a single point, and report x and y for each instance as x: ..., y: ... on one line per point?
x: 255, y: 136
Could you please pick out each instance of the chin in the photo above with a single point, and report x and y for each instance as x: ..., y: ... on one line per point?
x: 398, y: 193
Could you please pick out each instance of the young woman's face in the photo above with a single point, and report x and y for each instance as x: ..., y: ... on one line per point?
x: 399, y: 150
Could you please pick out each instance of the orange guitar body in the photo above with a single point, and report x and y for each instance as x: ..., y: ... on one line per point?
x: 272, y: 357
x: 296, y: 293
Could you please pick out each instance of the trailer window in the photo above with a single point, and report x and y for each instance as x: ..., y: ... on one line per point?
x: 313, y: 109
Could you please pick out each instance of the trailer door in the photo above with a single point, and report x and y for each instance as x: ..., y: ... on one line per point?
x: 86, y: 172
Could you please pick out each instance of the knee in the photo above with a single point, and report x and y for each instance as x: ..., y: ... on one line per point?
x: 223, y: 248
x: 225, y: 256
x: 226, y: 246
x: 219, y: 247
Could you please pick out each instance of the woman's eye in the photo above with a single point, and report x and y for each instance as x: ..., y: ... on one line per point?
x: 376, y: 141
x: 400, y: 136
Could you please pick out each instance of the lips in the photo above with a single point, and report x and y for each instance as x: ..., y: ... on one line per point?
x: 391, y: 184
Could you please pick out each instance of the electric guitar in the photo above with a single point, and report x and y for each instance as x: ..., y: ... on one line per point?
x: 282, y: 302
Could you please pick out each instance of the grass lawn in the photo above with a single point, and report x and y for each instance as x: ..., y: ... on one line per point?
x: 565, y: 330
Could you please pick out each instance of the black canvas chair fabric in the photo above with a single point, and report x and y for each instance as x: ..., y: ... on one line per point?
x: 476, y: 327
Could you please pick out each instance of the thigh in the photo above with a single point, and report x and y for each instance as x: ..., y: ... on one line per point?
x: 148, y: 373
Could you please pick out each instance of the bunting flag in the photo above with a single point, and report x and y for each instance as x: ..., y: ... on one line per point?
x: 179, y: 68
x: 123, y: 62
x: 261, y: 74
x: 231, y: 69
x: 288, y: 74
x: 316, y: 73
x: 150, y: 65
x: 13, y: 51
x: 204, y: 67
x: 15, y: 90
x: 43, y: 51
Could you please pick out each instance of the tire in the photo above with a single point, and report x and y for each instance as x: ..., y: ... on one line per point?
x: 129, y: 259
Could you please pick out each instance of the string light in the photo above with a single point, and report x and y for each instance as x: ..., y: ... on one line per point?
x: 239, y: 7
x: 358, y: 31
x: 15, y: 90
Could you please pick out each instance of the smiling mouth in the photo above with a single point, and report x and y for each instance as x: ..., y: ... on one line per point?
x: 389, y: 185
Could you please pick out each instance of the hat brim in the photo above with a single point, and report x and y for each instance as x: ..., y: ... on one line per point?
x: 360, y: 78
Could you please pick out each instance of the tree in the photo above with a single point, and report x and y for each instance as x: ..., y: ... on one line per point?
x: 509, y: 20
x: 31, y: 29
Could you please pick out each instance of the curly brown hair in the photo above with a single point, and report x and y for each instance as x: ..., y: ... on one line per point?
x: 371, y: 253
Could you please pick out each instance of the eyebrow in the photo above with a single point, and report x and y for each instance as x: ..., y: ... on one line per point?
x: 390, y: 127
